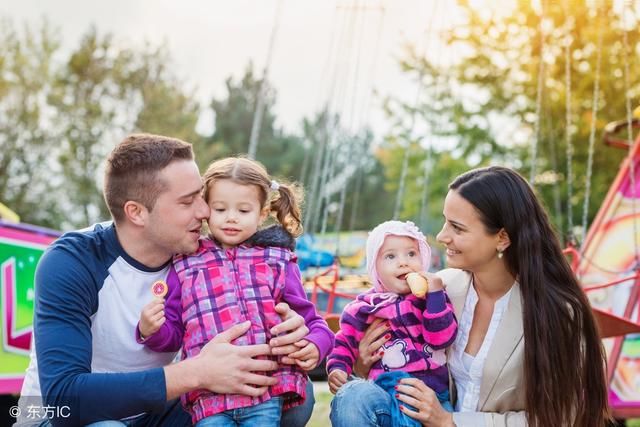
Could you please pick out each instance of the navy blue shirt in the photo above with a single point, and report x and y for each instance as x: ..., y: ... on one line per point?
x: 89, y: 296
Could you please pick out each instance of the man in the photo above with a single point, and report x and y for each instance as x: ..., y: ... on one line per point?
x: 91, y: 286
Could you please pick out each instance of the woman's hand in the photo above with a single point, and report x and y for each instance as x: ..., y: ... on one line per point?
x: 369, y: 349
x: 429, y: 412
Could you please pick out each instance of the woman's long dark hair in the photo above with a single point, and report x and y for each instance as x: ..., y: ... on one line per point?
x: 564, y: 362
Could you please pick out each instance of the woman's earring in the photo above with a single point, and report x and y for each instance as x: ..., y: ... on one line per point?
x: 500, y: 253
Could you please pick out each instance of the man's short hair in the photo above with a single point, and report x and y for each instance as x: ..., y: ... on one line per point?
x: 133, y: 167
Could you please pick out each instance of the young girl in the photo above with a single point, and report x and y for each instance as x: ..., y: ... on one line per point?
x: 239, y: 273
x: 420, y: 328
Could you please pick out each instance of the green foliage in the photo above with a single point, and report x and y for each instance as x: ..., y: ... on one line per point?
x: 368, y: 203
x: 26, y: 170
x: 485, y: 104
x: 85, y: 94
x: 506, y: 55
x: 61, y: 118
x: 425, y: 190
x: 166, y: 108
x: 281, y: 153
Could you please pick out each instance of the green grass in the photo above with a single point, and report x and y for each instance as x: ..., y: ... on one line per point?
x: 633, y: 423
x: 320, y: 415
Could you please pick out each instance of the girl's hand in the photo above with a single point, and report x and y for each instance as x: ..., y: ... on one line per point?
x: 435, y: 282
x: 308, y: 357
x: 152, y: 317
x: 292, y: 329
x: 337, y: 379
x: 429, y: 412
x: 369, y: 349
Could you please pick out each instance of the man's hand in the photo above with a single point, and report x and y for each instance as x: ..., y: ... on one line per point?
x: 152, y: 317
x: 337, y: 379
x: 223, y: 367
x: 294, y: 330
x: 308, y: 357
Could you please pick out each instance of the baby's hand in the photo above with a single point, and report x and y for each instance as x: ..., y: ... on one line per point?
x: 152, y: 318
x: 435, y: 282
x: 308, y: 357
x: 337, y: 379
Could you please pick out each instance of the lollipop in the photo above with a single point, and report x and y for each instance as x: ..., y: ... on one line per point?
x: 418, y: 284
x: 159, y: 289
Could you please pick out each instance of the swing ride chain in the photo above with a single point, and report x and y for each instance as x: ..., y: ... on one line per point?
x: 592, y: 135
x: 534, y: 146
x: 567, y: 68
x: 632, y: 173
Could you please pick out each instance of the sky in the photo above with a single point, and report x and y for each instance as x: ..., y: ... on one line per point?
x: 335, y: 52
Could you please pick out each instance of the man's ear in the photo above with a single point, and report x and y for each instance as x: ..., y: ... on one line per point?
x: 136, y: 213
x: 503, y: 239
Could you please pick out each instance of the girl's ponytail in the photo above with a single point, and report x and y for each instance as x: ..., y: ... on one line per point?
x: 287, y: 206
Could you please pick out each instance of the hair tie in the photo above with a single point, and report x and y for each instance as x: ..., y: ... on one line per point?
x: 274, y: 185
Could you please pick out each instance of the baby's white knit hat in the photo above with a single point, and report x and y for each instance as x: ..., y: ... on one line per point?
x: 375, y: 241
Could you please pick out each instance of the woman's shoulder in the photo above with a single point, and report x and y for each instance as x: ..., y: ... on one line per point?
x: 455, y: 280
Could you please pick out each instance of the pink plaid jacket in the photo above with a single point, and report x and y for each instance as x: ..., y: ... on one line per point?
x: 221, y: 288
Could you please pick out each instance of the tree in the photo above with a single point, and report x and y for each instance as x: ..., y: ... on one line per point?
x: 280, y: 152
x: 85, y: 94
x: 165, y: 108
x: 369, y: 202
x: 60, y: 118
x: 493, y: 87
x: 437, y: 149
x: 425, y: 190
x: 27, y: 174
x: 103, y: 92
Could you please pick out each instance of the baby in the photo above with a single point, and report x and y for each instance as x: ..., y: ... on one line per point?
x: 421, y: 325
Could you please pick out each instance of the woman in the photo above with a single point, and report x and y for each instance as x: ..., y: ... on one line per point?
x: 527, y: 350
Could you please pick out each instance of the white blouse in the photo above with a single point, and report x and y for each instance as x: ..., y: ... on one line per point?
x: 468, y: 376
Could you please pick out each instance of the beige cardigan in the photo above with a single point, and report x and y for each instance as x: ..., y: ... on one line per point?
x: 502, y: 396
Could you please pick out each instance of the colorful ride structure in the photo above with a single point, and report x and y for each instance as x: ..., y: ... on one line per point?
x: 21, y: 247
x: 608, y: 266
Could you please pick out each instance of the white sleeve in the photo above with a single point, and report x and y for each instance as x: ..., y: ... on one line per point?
x: 490, y: 419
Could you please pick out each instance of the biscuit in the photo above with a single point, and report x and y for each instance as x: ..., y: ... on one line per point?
x: 418, y: 284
